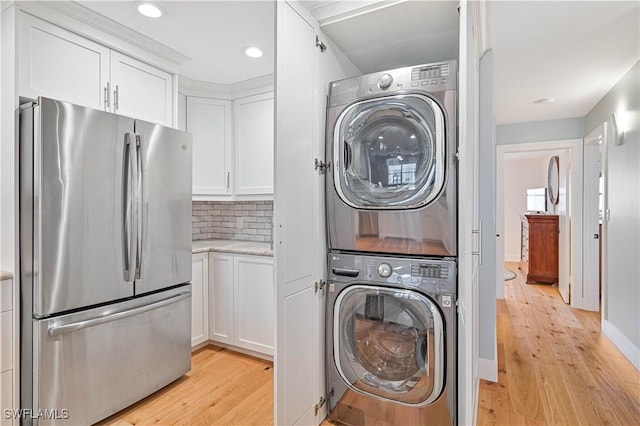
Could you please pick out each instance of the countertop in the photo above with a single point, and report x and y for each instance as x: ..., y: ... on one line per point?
x: 4, y: 275
x: 232, y: 246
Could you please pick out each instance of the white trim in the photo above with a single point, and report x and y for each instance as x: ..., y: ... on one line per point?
x: 621, y: 342
x: 241, y: 89
x: 576, y: 147
x: 488, y: 369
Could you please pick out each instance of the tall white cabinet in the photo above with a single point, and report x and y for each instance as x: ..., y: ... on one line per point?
x: 60, y: 64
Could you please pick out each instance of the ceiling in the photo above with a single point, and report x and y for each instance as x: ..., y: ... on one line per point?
x: 210, y: 33
x: 574, y: 51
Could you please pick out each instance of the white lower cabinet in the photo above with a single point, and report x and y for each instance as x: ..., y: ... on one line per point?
x: 199, y: 298
x: 221, y: 298
x: 6, y: 396
x: 6, y: 352
x: 241, y: 303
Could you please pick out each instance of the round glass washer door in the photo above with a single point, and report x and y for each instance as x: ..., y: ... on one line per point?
x: 389, y: 152
x: 389, y: 344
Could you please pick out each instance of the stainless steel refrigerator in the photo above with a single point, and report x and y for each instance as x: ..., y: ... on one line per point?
x: 105, y: 258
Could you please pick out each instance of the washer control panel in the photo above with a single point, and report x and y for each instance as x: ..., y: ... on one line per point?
x: 428, y: 274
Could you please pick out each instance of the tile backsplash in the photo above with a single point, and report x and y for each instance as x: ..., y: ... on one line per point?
x: 232, y: 220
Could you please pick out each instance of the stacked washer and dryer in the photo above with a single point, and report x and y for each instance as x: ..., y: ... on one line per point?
x: 391, y: 218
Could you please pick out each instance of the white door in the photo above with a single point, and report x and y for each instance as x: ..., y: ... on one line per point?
x: 297, y: 216
x: 59, y: 64
x: 221, y: 303
x: 253, y: 307
x: 565, y: 228
x: 253, y: 118
x: 591, y: 223
x: 209, y: 122
x: 140, y: 90
x: 199, y: 300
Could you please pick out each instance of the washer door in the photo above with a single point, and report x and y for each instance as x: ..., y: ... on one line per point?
x: 389, y: 153
x: 389, y: 344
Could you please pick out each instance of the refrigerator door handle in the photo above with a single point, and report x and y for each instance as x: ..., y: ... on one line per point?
x: 130, y: 206
x: 58, y: 329
x: 139, y: 205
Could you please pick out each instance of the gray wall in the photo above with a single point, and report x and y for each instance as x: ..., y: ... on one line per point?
x: 487, y: 196
x: 540, y: 131
x: 623, y: 188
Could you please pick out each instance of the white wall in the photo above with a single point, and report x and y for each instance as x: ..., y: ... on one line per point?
x: 622, y: 323
x: 520, y: 174
x: 538, y: 131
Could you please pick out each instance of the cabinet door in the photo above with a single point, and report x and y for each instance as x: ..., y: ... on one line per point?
x: 254, y: 144
x: 59, y: 64
x: 140, y: 90
x: 221, y: 306
x: 254, y: 299
x: 209, y: 121
x: 6, y: 396
x: 199, y: 290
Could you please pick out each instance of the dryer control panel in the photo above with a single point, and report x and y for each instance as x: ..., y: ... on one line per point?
x: 428, y: 274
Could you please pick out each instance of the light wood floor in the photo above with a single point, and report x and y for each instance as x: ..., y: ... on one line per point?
x: 222, y: 388
x: 554, y: 365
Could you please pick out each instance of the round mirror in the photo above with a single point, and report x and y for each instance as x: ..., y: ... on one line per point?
x: 553, y: 178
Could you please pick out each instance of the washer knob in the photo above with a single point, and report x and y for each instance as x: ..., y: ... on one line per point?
x: 384, y: 270
x: 385, y: 80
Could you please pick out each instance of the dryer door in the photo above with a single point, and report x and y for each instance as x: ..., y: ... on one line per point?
x: 389, y: 344
x: 389, y: 152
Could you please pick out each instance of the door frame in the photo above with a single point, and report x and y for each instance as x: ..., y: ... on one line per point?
x: 575, y: 147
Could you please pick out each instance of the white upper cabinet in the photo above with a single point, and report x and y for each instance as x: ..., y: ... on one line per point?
x: 253, y: 116
x: 59, y: 64
x: 209, y: 121
x: 140, y: 90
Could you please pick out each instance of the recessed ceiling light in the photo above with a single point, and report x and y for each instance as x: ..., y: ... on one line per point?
x: 549, y: 100
x: 149, y: 10
x: 252, y: 52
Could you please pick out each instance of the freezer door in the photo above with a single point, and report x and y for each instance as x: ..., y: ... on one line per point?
x: 95, y: 363
x: 77, y: 185
x: 164, y: 256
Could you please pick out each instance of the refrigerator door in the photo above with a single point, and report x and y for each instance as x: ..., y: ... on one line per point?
x: 94, y: 363
x: 164, y: 237
x: 78, y: 184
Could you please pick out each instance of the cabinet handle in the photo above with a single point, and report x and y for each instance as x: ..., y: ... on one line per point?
x: 107, y: 95
x: 115, y: 99
x: 228, y: 179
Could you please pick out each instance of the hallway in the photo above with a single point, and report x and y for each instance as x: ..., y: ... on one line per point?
x: 554, y: 366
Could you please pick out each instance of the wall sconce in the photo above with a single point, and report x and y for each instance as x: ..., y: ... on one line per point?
x: 618, y: 132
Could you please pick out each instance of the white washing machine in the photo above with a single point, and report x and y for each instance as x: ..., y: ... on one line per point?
x: 391, y: 340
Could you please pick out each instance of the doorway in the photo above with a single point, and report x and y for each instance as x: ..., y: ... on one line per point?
x: 568, y: 209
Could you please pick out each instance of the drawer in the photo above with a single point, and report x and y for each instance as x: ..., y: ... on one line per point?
x: 6, y: 340
x: 6, y: 396
x: 6, y: 295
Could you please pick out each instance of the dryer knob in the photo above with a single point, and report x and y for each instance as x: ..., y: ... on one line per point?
x: 384, y: 82
x: 384, y: 270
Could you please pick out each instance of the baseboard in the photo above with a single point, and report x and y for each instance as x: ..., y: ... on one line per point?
x: 512, y: 258
x: 620, y: 340
x: 488, y: 369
